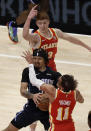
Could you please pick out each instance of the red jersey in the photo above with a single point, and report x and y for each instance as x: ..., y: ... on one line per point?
x: 61, y: 111
x: 49, y: 44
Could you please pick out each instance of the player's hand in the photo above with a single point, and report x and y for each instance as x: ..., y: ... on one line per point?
x: 33, y: 12
x: 27, y: 55
x: 37, y: 98
x: 89, y: 49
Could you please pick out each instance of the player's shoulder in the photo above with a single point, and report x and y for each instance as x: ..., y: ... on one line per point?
x: 53, y: 72
x: 36, y: 32
x: 57, y: 30
x: 48, y: 69
x: 26, y: 70
x: 54, y: 29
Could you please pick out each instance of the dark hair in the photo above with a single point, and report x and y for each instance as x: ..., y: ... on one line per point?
x: 42, y: 15
x: 89, y: 119
x: 68, y: 83
x: 42, y: 53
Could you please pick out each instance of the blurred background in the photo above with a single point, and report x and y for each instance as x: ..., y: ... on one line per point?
x: 71, y: 16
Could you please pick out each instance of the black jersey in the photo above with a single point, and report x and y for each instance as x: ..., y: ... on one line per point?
x: 30, y: 112
x: 48, y: 76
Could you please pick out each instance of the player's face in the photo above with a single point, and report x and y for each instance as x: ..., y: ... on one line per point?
x: 43, y: 25
x: 38, y: 62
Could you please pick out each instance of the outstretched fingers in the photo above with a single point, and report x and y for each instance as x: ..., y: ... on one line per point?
x: 28, y: 56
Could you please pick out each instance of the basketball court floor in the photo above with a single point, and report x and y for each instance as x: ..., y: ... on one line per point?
x: 70, y: 59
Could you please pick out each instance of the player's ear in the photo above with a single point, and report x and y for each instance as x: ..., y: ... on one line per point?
x: 58, y: 85
x: 49, y: 21
x: 60, y: 80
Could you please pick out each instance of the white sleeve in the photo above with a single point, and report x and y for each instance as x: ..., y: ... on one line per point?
x: 32, y: 76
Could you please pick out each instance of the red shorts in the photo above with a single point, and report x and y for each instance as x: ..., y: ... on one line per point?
x: 68, y: 126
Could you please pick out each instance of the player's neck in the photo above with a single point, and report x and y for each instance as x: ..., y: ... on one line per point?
x: 42, y: 69
x: 45, y: 33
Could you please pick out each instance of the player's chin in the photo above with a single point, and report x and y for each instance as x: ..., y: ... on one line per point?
x: 37, y: 65
x: 43, y: 30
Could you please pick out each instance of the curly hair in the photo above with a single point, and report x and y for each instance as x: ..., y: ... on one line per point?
x: 68, y: 83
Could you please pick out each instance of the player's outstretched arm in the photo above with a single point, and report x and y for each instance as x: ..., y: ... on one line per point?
x: 72, y: 39
x: 49, y: 89
x: 26, y: 35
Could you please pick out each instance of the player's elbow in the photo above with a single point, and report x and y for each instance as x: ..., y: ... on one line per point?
x: 21, y: 92
x: 82, y: 100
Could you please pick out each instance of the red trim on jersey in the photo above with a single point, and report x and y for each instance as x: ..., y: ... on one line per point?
x: 49, y: 44
x: 61, y: 111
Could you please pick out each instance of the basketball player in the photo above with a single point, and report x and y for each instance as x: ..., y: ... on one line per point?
x: 31, y: 113
x: 45, y: 37
x: 12, y: 25
x: 89, y: 120
x: 62, y: 100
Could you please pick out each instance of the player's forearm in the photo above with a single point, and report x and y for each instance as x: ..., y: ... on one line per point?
x: 78, y: 42
x: 27, y: 95
x: 26, y: 28
x: 49, y: 89
x: 36, y: 82
x: 85, y: 45
x: 39, y: 83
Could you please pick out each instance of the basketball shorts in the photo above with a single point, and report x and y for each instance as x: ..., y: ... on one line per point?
x: 66, y: 126
x: 29, y: 115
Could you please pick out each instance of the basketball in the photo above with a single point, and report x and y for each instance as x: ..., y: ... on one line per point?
x: 44, y: 104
